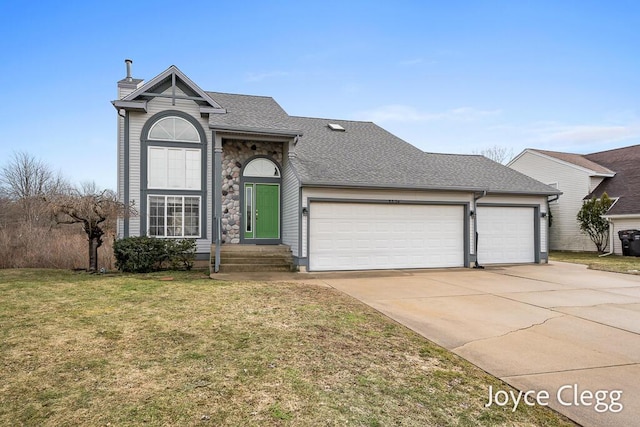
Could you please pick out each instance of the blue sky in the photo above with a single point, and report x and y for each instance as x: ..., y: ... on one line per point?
x: 447, y: 76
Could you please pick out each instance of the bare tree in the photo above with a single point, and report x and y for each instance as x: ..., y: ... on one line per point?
x: 27, y: 180
x: 496, y: 153
x: 96, y: 210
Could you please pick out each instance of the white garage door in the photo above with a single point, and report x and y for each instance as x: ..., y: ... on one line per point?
x: 365, y: 236
x: 506, y: 235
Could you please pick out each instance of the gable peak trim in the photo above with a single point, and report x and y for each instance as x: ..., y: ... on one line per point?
x: 174, y: 74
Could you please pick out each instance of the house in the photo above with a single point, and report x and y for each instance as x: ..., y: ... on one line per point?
x: 237, y: 170
x: 581, y: 177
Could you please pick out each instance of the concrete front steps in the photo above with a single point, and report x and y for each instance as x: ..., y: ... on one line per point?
x: 253, y: 258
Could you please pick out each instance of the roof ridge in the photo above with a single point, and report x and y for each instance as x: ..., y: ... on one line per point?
x: 334, y: 119
x: 455, y: 154
x: 239, y: 94
x: 613, y: 149
x: 553, y: 151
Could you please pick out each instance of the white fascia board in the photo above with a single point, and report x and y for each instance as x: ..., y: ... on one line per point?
x: 623, y: 216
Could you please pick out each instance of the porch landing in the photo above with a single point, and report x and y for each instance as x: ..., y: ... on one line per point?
x: 252, y: 258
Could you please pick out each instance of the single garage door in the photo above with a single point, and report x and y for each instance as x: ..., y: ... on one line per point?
x: 506, y: 235
x: 368, y: 236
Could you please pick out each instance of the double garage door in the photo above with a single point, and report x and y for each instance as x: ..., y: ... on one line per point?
x: 370, y: 236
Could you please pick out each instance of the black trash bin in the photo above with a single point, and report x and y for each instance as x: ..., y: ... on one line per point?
x: 626, y: 237
x: 634, y: 243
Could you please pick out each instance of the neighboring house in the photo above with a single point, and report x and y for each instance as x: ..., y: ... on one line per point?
x: 343, y: 195
x: 580, y: 177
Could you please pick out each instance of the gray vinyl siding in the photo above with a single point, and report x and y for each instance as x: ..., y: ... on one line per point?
x: 204, y: 244
x: 137, y: 121
x: 122, y: 92
x: 290, y: 208
x: 120, y: 225
x: 622, y: 224
x: 574, y: 182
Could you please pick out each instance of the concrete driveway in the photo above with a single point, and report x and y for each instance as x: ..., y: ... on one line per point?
x: 559, y: 328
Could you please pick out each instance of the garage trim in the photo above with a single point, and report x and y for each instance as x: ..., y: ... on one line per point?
x: 536, y: 224
x: 465, y: 226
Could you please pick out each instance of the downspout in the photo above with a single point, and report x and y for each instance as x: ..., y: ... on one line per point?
x: 611, y: 237
x: 125, y: 173
x: 217, y: 196
x: 216, y: 264
x: 475, y: 225
x: 549, y: 223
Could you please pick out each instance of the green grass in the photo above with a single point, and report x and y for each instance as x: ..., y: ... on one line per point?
x: 91, y: 350
x: 614, y: 263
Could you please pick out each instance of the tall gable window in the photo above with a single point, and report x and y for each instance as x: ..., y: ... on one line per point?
x: 175, y: 161
x: 173, y: 129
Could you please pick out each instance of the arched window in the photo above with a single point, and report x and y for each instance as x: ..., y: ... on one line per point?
x: 173, y: 129
x: 173, y: 165
x: 262, y: 168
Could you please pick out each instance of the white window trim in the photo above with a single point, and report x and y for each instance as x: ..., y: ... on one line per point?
x: 174, y: 139
x: 247, y: 169
x: 166, y: 168
x: 165, y: 216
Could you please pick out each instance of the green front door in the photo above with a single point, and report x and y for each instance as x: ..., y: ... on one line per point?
x: 262, y: 211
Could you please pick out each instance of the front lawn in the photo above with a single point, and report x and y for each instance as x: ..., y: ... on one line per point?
x: 179, y: 349
x: 614, y: 263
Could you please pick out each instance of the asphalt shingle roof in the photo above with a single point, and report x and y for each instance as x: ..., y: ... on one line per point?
x: 578, y: 160
x: 251, y: 113
x: 625, y: 185
x: 369, y: 156
x: 366, y: 155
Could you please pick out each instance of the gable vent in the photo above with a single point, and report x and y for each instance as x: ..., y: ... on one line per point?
x: 336, y: 127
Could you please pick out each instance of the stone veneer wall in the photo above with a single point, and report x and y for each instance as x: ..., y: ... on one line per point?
x: 234, y: 155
